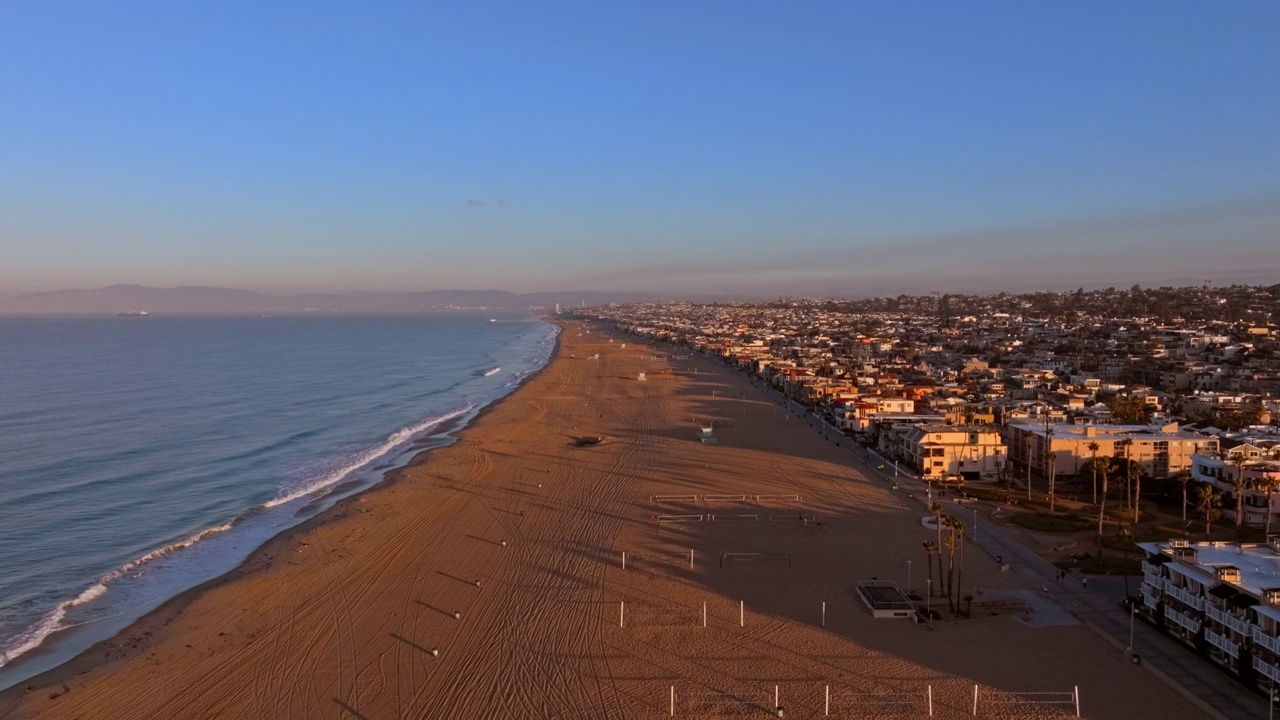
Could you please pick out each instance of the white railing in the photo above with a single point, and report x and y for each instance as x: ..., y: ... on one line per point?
x: 1152, y: 591
x: 1185, y: 597
x: 1152, y: 577
x: 1265, y: 641
x: 1178, y: 618
x: 1241, y: 626
x: 1222, y: 643
x: 1266, y: 668
x: 1149, y: 600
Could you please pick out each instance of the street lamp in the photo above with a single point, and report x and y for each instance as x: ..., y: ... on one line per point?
x: 928, y: 601
x: 1133, y: 611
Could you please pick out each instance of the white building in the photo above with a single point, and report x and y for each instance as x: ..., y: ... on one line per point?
x: 1162, y: 450
x: 937, y: 452
x: 1220, y: 598
x: 858, y: 415
x: 1258, y: 468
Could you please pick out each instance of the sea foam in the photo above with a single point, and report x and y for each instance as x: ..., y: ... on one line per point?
x: 364, y: 458
x: 53, y: 621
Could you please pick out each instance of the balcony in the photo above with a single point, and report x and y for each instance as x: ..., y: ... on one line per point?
x: 1190, y: 624
x: 1150, y: 601
x: 1266, y: 668
x: 1151, y: 590
x: 1241, y: 626
x: 1222, y: 643
x: 1184, y: 596
x: 1265, y: 641
x: 1151, y: 577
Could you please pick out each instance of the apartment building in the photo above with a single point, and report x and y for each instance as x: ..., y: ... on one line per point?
x: 1161, y: 450
x: 1220, y: 598
x: 1253, y: 468
x: 937, y: 451
x: 858, y: 415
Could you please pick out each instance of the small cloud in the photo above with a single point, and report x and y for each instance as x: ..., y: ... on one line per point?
x: 501, y: 203
x: 476, y: 203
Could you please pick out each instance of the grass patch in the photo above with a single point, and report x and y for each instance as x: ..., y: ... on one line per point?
x: 1125, y: 515
x: 1050, y: 523
x: 1109, y: 566
x: 988, y: 494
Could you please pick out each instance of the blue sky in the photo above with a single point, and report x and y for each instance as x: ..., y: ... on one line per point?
x: 670, y: 146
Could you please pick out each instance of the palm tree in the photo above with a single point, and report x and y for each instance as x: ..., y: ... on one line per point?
x: 951, y: 544
x: 1102, y: 503
x: 1137, y: 494
x: 957, y: 531
x: 1029, y: 436
x: 1269, y: 485
x: 1053, y: 475
x: 1208, y: 500
x: 1238, y: 483
x: 1183, y: 477
x: 1093, y: 450
x: 1127, y: 443
x: 938, y: 512
x: 930, y: 547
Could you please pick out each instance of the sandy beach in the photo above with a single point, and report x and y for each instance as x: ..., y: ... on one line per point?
x: 486, y: 581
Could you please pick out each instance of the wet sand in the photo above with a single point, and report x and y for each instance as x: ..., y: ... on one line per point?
x: 487, y: 581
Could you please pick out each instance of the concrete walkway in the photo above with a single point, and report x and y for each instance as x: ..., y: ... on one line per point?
x: 1217, y: 693
x: 1210, y: 689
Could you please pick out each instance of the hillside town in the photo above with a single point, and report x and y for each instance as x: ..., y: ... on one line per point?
x: 1142, y: 417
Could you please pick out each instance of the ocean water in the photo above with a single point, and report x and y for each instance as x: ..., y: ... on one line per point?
x: 141, y: 456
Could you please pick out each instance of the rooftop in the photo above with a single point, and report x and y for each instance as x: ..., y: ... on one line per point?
x: 1259, y: 565
x: 1110, y: 432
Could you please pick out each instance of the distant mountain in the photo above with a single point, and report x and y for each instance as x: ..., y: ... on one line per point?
x: 199, y: 299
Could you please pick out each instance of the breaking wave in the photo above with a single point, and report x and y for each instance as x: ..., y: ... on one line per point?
x: 55, y: 619
x: 362, y: 459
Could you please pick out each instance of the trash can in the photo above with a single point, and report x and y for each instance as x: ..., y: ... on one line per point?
x: 1137, y: 659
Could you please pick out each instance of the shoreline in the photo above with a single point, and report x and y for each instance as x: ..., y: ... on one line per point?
x: 260, y: 558
x: 484, y: 580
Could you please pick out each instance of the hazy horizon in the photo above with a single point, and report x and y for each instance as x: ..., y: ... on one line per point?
x: 716, y: 149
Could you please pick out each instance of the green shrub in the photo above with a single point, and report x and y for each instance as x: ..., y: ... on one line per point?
x: 1050, y: 523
